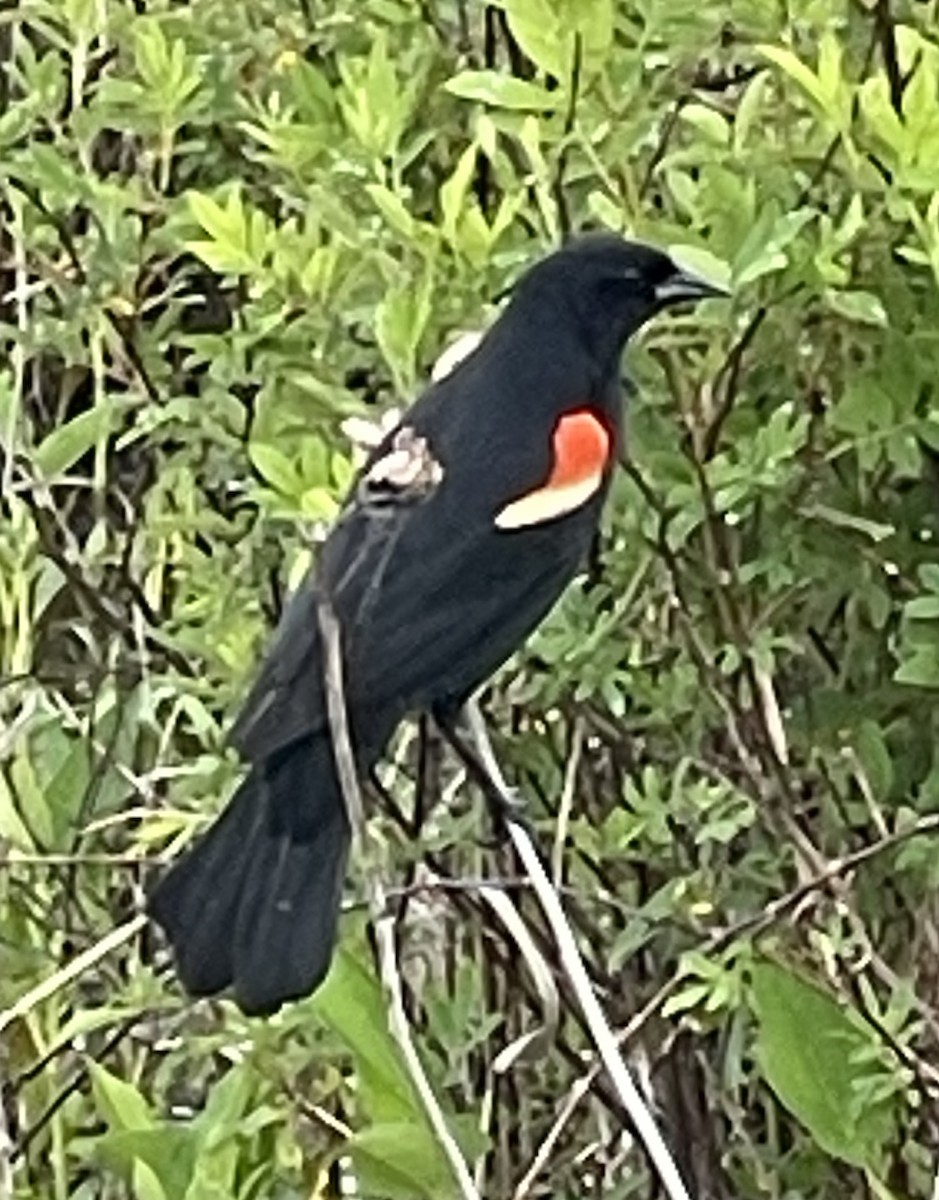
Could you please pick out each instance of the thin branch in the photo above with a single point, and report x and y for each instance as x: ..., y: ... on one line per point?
x: 14, y: 859
x: 29, y: 1135
x: 566, y: 804
x: 564, y: 213
x: 669, y: 126
x: 755, y: 924
x: 58, y: 980
x: 887, y: 40
x: 382, y: 917
x: 835, y: 868
x: 58, y: 544
x: 537, y: 1040
x: 18, y: 352
x: 729, y: 373
x: 727, y: 382
x: 483, y: 764
x: 579, y: 1089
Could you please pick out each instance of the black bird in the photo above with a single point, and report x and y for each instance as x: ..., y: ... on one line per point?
x: 462, y: 530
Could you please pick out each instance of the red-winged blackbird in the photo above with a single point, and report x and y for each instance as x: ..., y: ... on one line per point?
x: 463, y: 528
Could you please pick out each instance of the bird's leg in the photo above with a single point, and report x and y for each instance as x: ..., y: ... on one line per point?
x: 474, y: 723
x: 465, y: 730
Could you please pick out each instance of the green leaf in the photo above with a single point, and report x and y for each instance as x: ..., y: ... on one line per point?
x: 393, y: 209
x: 275, y: 467
x: 151, y: 52
x: 919, y: 668
x: 793, y: 66
x: 400, y: 321
x: 871, y: 748
x: 857, y: 306
x: 701, y: 261
x: 62, y: 448
x: 63, y: 770
x: 12, y: 826
x: 875, y: 530
x: 230, y: 251
x: 54, y: 172
x: 748, y: 110
x: 879, y: 114
x: 502, y: 91
x: 119, y: 1102
x: 17, y: 121
x: 399, y: 1161
x: 928, y: 575
x: 864, y: 405
x: 923, y: 608
x: 548, y: 30
x: 375, y: 103
x: 32, y: 806
x: 222, y: 1116
x: 352, y: 1004
x: 453, y: 192
x: 763, y: 251
x: 169, y: 1150
x: 146, y: 1183
x: 808, y: 1046
x: 836, y: 94
x: 708, y: 121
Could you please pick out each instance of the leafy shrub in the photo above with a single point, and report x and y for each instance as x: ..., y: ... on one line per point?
x: 228, y: 226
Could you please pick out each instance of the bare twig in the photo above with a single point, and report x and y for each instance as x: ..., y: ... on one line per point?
x: 29, y: 1135
x: 382, y: 916
x: 55, y: 982
x: 726, y: 383
x: 18, y: 352
x: 665, y: 136
x: 566, y: 803
x: 60, y: 547
x: 6, y: 1145
x: 15, y: 859
x: 564, y: 213
x: 580, y: 1088
x: 484, y: 765
x: 887, y: 40
x: 529, y: 1044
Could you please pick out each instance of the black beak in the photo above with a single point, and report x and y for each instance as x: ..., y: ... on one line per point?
x: 682, y: 285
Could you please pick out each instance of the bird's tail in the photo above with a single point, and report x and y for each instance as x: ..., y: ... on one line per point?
x: 255, y: 903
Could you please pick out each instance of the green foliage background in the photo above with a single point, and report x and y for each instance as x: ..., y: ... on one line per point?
x: 227, y: 225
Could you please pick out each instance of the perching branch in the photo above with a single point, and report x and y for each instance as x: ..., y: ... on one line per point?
x: 382, y: 916
x: 482, y: 763
x: 753, y: 925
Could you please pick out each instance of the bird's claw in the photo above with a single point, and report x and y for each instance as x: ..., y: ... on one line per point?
x: 509, y: 803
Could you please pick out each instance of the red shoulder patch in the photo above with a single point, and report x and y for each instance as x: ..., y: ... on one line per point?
x: 581, y: 446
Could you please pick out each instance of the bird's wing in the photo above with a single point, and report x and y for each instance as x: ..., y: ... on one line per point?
x: 287, y: 700
x: 431, y: 593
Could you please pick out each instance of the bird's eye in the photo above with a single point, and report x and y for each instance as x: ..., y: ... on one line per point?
x: 627, y: 285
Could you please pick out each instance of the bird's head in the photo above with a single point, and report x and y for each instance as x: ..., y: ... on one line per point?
x: 610, y: 287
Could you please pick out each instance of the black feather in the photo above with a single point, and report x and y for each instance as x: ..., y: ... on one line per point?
x: 255, y: 903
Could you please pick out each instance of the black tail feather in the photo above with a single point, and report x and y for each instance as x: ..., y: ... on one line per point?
x: 255, y: 903
x: 197, y: 898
